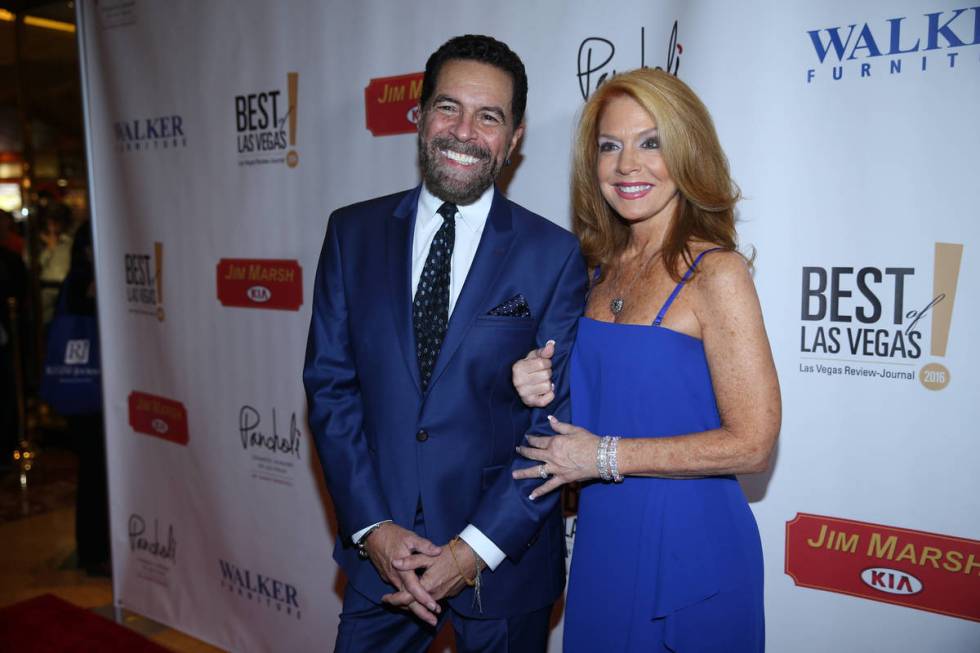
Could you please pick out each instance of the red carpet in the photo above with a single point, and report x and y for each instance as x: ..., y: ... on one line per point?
x: 47, y: 624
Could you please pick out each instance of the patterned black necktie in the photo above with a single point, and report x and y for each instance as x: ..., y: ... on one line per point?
x: 430, y: 309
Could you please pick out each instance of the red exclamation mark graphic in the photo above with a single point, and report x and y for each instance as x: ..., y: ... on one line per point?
x: 946, y: 272
x: 158, y: 277
x: 292, y: 157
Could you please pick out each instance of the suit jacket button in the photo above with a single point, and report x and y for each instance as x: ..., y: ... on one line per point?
x: 422, y: 436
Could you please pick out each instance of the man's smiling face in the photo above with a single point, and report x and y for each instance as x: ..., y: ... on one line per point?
x: 466, y: 132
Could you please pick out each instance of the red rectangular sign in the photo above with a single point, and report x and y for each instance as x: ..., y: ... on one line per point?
x: 391, y: 104
x: 158, y: 416
x: 926, y: 571
x: 260, y: 283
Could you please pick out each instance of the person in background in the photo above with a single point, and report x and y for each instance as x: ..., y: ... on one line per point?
x: 9, y: 238
x: 86, y: 431
x: 422, y: 300
x: 54, y: 258
x: 673, y: 385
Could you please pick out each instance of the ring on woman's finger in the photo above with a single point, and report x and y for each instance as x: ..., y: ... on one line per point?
x: 542, y: 472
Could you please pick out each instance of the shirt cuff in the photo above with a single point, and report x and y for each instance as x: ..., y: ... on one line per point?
x: 482, y: 546
x: 356, y: 537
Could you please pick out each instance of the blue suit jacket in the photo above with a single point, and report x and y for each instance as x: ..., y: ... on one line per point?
x: 366, y: 407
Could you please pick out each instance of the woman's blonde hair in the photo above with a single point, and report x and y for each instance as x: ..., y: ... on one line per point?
x: 694, y: 159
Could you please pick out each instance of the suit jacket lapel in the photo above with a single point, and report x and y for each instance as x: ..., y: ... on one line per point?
x: 398, y: 250
x: 497, y: 238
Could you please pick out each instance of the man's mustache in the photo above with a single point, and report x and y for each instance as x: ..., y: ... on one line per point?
x: 469, y: 149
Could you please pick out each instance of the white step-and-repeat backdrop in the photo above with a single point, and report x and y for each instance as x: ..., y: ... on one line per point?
x: 222, y: 133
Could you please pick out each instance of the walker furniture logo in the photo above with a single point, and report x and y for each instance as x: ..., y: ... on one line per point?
x: 145, y: 134
x: 266, y: 123
x: 857, y: 321
x: 260, y: 588
x: 154, y: 551
x: 273, y: 448
x: 391, y: 104
x: 260, y: 283
x: 144, y: 282
x: 158, y: 416
x: 595, y: 55
x: 926, y: 571
x: 894, y: 46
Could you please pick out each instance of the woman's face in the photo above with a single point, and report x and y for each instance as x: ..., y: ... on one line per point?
x: 632, y: 174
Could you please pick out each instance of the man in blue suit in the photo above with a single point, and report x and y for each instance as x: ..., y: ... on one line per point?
x: 422, y: 301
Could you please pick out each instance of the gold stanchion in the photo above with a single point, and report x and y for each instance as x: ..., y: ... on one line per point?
x: 24, y: 454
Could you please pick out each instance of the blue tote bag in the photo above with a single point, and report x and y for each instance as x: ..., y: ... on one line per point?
x: 72, y: 379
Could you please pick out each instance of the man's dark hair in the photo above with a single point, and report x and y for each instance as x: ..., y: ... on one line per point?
x: 484, y: 49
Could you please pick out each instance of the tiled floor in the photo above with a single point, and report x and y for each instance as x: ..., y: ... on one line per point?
x: 37, y: 548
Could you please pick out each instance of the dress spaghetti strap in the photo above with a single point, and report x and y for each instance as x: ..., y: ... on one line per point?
x: 680, y: 284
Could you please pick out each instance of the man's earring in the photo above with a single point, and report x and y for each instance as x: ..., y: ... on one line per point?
x: 507, y: 161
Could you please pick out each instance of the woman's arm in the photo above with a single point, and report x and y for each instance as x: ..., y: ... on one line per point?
x: 744, y: 378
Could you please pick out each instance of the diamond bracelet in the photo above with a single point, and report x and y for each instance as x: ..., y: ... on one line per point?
x: 606, y: 459
x: 602, y: 458
x: 612, y: 454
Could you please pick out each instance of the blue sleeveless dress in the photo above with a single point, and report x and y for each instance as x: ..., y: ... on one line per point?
x: 658, y: 564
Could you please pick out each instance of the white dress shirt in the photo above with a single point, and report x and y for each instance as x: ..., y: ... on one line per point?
x: 470, y: 220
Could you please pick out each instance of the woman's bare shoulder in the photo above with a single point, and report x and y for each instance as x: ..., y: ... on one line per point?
x: 720, y: 268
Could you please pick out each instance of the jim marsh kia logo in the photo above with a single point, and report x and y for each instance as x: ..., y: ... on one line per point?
x: 862, y: 321
x: 260, y: 283
x: 266, y: 122
x: 158, y: 417
x: 927, y: 571
x: 391, y: 104
x: 895, y: 46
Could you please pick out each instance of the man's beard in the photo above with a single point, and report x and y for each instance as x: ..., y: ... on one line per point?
x: 441, y: 181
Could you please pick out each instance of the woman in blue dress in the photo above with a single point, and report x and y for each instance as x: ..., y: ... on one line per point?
x: 674, y: 389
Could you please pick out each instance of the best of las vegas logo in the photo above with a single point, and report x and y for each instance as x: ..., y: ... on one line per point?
x: 266, y: 124
x: 144, y: 282
x: 859, y: 321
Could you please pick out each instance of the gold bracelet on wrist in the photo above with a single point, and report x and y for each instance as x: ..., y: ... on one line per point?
x: 452, y: 551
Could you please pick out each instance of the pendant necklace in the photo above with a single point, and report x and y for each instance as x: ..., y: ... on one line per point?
x: 618, y: 302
